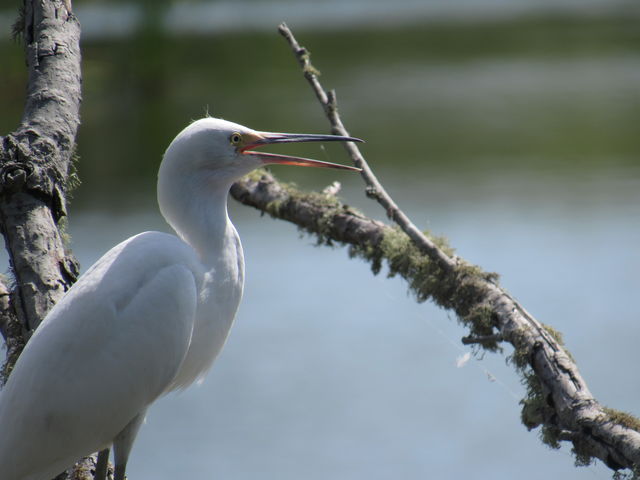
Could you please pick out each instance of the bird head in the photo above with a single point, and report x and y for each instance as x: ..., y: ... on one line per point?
x: 226, y: 150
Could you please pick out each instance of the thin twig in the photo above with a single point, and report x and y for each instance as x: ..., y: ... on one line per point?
x: 470, y: 340
x: 558, y: 398
x: 374, y: 187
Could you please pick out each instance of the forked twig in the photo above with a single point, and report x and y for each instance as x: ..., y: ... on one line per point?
x: 374, y: 187
x: 558, y: 399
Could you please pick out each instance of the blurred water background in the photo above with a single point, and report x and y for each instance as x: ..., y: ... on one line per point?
x: 512, y: 128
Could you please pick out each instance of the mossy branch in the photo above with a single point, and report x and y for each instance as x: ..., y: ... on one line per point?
x: 557, y: 397
x: 557, y: 400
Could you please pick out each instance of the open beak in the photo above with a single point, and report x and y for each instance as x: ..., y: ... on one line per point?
x: 265, y: 138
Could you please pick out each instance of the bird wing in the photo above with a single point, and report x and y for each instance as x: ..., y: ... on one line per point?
x: 107, y: 350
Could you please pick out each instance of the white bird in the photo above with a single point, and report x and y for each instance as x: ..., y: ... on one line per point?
x: 147, y: 318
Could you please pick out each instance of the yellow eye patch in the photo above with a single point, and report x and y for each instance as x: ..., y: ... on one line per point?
x: 235, y: 139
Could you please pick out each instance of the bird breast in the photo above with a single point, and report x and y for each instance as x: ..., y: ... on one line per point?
x: 218, y: 302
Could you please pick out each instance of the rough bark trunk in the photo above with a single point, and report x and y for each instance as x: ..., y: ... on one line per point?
x: 35, y: 162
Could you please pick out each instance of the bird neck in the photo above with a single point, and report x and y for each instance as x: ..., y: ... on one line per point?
x: 195, y: 205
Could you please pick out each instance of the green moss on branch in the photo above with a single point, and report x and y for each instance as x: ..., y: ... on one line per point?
x: 466, y: 289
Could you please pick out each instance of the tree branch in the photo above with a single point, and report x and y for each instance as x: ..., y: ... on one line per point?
x: 374, y: 187
x: 557, y: 399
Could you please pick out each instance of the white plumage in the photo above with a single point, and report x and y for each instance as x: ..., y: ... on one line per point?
x: 149, y: 317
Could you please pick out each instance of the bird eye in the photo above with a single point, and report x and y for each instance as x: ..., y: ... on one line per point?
x: 235, y: 138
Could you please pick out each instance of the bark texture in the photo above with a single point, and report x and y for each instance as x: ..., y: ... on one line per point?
x: 35, y: 161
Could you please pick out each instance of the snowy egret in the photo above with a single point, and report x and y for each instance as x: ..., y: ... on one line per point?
x: 147, y: 318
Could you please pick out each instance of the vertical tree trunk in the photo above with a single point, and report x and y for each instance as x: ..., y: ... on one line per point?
x: 34, y: 170
x: 35, y: 162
